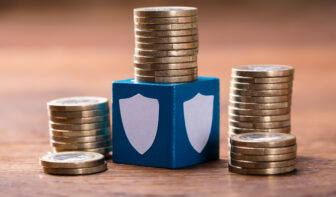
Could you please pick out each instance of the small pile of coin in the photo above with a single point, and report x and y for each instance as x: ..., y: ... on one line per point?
x: 260, y: 99
x: 73, y: 163
x: 262, y: 153
x: 80, y: 124
x: 166, y: 44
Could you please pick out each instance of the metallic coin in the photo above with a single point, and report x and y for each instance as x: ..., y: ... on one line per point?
x: 166, y: 26
x: 168, y: 60
x: 78, y: 104
x: 259, y: 118
x: 260, y: 125
x: 79, y: 114
x: 259, y: 99
x: 262, y: 165
x: 168, y: 20
x: 259, y: 112
x: 95, y: 138
x: 266, y: 171
x: 262, y: 93
x: 189, y: 45
x: 237, y: 130
x: 243, y: 105
x: 166, y: 73
x: 171, y: 11
x: 102, y: 150
x: 150, y: 66
x: 74, y: 159
x: 76, y: 171
x: 69, y: 133
x: 263, y: 140
x: 185, y: 32
x: 263, y: 71
x: 266, y: 80
x: 179, y: 39
x: 81, y: 127
x: 79, y: 146
x: 93, y: 119
x: 263, y: 151
x: 173, y: 53
x: 177, y: 79
x: 261, y: 86
x: 280, y: 157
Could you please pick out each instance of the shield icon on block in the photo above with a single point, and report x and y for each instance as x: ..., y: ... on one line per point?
x: 140, y: 119
x: 198, y: 120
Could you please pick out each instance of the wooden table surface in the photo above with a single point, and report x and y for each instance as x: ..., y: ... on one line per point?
x: 48, y: 52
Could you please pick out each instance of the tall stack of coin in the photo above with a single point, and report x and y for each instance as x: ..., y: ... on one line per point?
x: 73, y: 163
x: 166, y: 40
x: 260, y: 99
x: 80, y: 124
x: 262, y: 153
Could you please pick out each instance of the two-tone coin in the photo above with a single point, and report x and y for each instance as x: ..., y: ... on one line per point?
x: 171, y: 26
x: 243, y: 105
x: 259, y: 112
x: 78, y: 104
x: 262, y: 80
x: 263, y: 151
x: 179, y: 39
x: 79, y: 146
x: 238, y: 130
x: 165, y: 20
x: 260, y: 125
x: 93, y: 138
x: 166, y: 73
x: 263, y: 140
x: 162, y: 12
x: 75, y: 171
x: 265, y: 171
x: 172, y: 79
x: 94, y: 119
x: 167, y: 53
x: 81, y: 133
x: 241, y: 118
x: 168, y: 60
x: 261, y: 86
x: 76, y: 127
x: 165, y: 66
x: 263, y: 71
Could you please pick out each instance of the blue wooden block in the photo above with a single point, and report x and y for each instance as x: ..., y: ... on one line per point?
x: 165, y: 125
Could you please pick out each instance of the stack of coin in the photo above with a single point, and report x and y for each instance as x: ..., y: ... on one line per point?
x: 80, y: 124
x: 260, y: 99
x: 73, y: 163
x: 166, y: 40
x: 262, y: 153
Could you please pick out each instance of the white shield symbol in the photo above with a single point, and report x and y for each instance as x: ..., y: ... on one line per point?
x: 198, y: 120
x: 140, y: 118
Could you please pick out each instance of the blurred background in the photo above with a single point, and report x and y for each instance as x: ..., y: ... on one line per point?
x: 52, y: 49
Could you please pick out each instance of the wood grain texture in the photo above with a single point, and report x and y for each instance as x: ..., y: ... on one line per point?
x: 48, y: 52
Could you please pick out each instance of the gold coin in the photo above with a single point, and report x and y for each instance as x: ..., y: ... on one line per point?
x: 93, y: 119
x: 261, y: 86
x: 179, y: 39
x: 262, y: 165
x: 78, y: 104
x: 263, y: 71
x: 76, y: 171
x: 266, y: 171
x: 260, y: 125
x: 172, y: 53
x: 177, y: 79
x: 265, y: 80
x: 189, y: 45
x: 168, y: 20
x: 94, y: 138
x: 237, y: 130
x: 69, y: 133
x: 259, y: 112
x: 165, y: 33
x: 74, y: 159
x: 79, y: 146
x: 259, y: 118
x: 79, y: 114
x: 263, y: 140
x: 243, y: 105
x: 181, y: 59
x: 166, y: 26
x: 262, y: 151
x: 170, y: 11
x: 150, y: 66
x: 81, y: 127
x: 166, y: 73
x: 262, y: 93
x: 260, y: 99
x: 280, y: 157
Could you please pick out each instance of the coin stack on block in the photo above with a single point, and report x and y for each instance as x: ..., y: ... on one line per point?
x: 261, y: 153
x: 166, y: 40
x: 73, y: 163
x: 260, y: 99
x: 80, y: 124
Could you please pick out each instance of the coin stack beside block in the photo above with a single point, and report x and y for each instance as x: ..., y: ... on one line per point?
x: 80, y: 124
x: 260, y: 99
x: 166, y: 40
x: 73, y: 163
x: 262, y: 153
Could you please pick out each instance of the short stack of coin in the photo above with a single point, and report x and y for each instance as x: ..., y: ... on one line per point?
x: 262, y: 153
x: 80, y: 124
x: 73, y: 163
x: 260, y: 99
x: 166, y: 40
